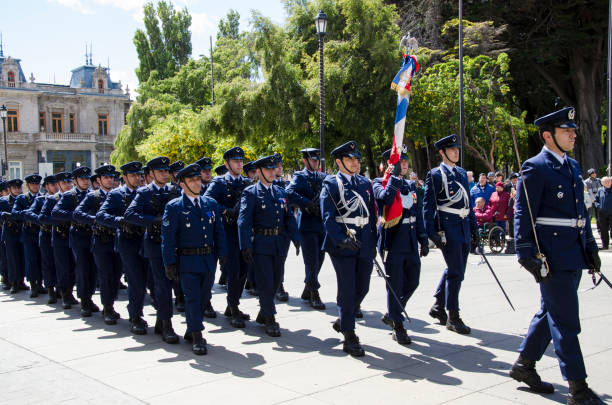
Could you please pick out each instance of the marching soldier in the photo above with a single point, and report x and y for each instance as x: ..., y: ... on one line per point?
x: 146, y: 210
x: 550, y: 193
x: 449, y: 220
x: 107, y: 261
x: 249, y: 170
x: 205, y: 164
x: 79, y: 239
x: 11, y: 235
x: 29, y: 234
x: 266, y: 226
x: 32, y: 215
x: 349, y: 221
x: 304, y: 191
x: 192, y: 239
x: 281, y: 294
x: 175, y: 190
x: 3, y: 265
x: 226, y: 191
x: 399, y: 244
x: 220, y: 170
x: 129, y: 242
x: 62, y: 254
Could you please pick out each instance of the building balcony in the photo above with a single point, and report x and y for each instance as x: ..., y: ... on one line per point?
x: 58, y: 137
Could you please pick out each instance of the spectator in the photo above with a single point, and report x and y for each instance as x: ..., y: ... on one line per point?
x: 498, y: 203
x: 510, y: 187
x: 491, y: 177
x: 603, y: 201
x: 470, y: 178
x: 482, y: 189
x: 499, y: 176
x: 483, y: 214
x: 593, y: 184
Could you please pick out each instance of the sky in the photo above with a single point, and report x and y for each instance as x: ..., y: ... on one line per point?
x: 49, y: 36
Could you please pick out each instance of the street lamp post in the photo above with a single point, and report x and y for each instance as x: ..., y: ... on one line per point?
x: 321, y: 24
x: 3, y: 112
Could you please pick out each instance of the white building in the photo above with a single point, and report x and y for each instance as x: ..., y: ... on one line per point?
x: 52, y: 128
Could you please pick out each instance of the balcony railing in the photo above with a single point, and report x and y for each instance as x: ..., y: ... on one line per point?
x: 22, y: 138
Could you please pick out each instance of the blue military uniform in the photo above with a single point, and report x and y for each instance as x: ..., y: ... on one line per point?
x: 266, y: 226
x: 399, y: 244
x: 226, y: 191
x: 192, y: 239
x: 174, y: 188
x: 3, y: 265
x: 29, y: 236
x: 11, y: 236
x: 47, y: 265
x: 447, y: 209
x: 107, y: 261
x: 304, y: 192
x: 129, y: 245
x: 349, y: 220
x: 146, y: 210
x: 552, y: 184
x: 79, y: 240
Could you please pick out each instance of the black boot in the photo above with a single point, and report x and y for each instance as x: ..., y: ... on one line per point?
x: 336, y: 326
x: 198, y: 344
x: 179, y: 302
x: 437, y: 311
x: 168, y: 334
x: 271, y: 326
x: 21, y: 285
x: 14, y: 288
x: 581, y: 394
x: 52, y: 296
x: 138, y: 326
x: 510, y: 249
x: 523, y: 370
x: 86, y: 308
x: 33, y: 289
x: 351, y: 344
x: 68, y: 300
x: 237, y: 316
x: 455, y: 323
x: 306, y: 294
x: 110, y: 315
x: 209, y: 311
x: 400, y: 335
x: 315, y: 300
x: 281, y: 294
x: 386, y: 320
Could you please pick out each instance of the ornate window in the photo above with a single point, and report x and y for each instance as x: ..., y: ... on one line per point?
x: 11, y: 79
x: 57, y: 122
x: 72, y: 123
x: 100, y: 86
x: 42, y: 121
x: 102, y: 124
x: 12, y: 121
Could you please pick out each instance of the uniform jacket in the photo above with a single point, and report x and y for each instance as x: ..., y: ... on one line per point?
x: 227, y: 191
x: 45, y: 217
x: 32, y: 214
x: 85, y: 213
x: 304, y: 187
x: 555, y: 191
x: 11, y: 228
x: 30, y: 226
x: 183, y: 226
x: 260, y: 209
x: 113, y: 210
x: 79, y: 238
x: 403, y: 237
x: 335, y: 232
x: 453, y: 225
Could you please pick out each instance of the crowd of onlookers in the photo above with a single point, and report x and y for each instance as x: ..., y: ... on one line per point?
x: 598, y: 200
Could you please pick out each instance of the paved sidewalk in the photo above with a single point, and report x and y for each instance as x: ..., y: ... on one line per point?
x: 48, y: 355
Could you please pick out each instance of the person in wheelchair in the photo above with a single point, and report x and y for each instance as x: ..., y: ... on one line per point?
x: 498, y: 203
x: 489, y: 230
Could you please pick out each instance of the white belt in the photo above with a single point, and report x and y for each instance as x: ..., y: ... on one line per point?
x: 357, y: 221
x: 409, y: 220
x: 568, y: 222
x: 462, y: 212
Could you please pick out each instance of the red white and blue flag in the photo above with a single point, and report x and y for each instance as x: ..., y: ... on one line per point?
x: 401, y: 84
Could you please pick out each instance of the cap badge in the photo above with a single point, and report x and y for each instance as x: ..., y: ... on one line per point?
x: 571, y: 114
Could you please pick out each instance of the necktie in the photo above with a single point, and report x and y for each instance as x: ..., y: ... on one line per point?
x: 353, y: 182
x: 196, y: 203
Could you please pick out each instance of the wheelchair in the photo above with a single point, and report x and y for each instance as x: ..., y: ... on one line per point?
x: 493, y: 236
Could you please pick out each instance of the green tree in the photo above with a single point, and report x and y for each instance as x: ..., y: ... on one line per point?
x: 229, y: 27
x: 165, y: 45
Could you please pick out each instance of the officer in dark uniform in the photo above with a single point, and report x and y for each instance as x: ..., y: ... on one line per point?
x: 107, y: 261
x: 304, y: 192
x: 249, y: 170
x: 79, y: 239
x: 226, y: 190
x: 266, y: 226
x: 3, y: 265
x: 62, y: 254
x: 552, y: 187
x: 349, y: 220
x: 175, y: 190
x: 205, y: 164
x: 220, y: 170
x: 11, y: 235
x: 449, y: 221
x: 29, y: 234
x: 399, y: 243
x: 146, y: 210
x: 192, y: 239
x: 281, y: 294
x: 31, y: 215
x: 129, y: 242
